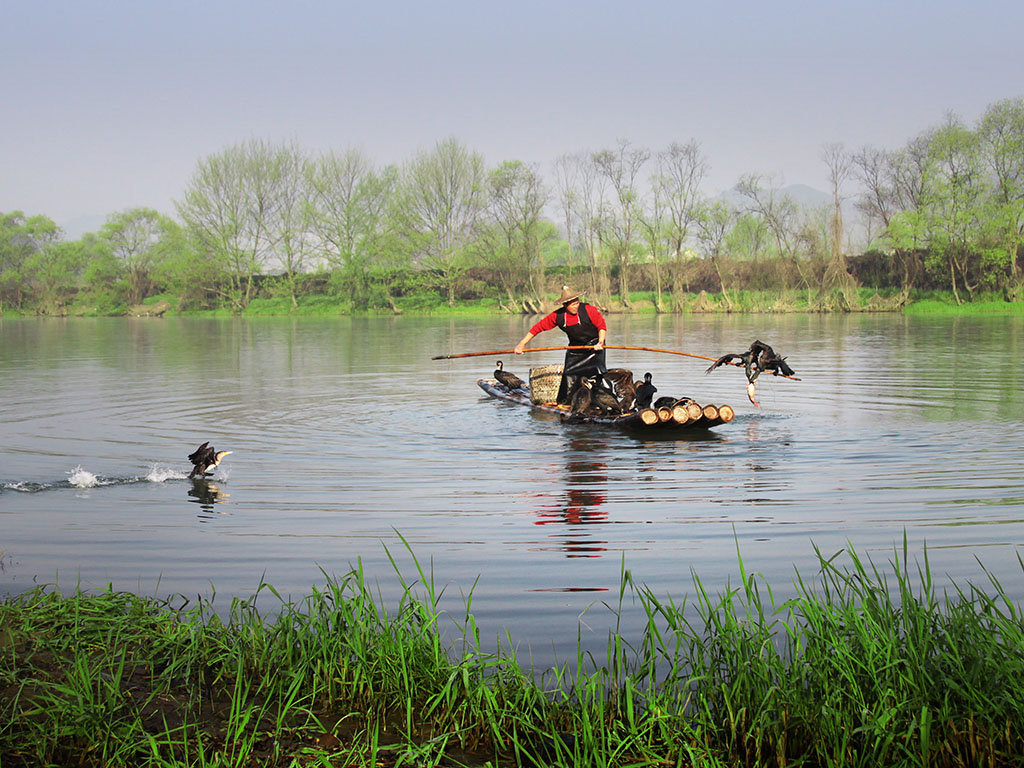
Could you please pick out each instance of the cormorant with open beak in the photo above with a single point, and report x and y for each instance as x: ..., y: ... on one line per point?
x: 204, y: 459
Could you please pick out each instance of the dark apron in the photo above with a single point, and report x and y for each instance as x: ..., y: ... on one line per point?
x: 579, y: 362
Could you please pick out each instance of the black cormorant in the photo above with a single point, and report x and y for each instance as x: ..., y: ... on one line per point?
x: 510, y: 380
x: 605, y: 400
x: 205, y: 458
x: 581, y: 397
x: 645, y: 392
x: 756, y: 360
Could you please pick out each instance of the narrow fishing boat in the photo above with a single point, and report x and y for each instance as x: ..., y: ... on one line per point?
x: 670, y: 415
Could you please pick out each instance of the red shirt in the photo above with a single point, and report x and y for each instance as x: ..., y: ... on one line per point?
x: 548, y: 322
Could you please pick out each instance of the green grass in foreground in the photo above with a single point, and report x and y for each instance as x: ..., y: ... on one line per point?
x: 866, y: 666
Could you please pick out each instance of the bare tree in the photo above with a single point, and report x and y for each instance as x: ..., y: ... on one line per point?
x: 621, y: 167
x: 839, y: 169
x: 580, y: 198
x: 779, y: 214
x: 681, y: 171
x: 713, y: 223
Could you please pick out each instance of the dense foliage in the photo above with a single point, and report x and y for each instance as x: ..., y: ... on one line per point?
x: 264, y: 220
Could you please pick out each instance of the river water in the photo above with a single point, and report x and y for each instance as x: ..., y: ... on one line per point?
x: 351, y: 445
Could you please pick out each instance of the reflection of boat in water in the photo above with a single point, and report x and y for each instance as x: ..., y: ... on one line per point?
x: 682, y: 414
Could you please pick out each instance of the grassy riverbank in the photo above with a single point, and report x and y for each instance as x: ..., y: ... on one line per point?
x: 866, y: 666
x: 735, y: 302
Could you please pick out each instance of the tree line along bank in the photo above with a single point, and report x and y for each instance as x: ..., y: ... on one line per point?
x: 268, y: 222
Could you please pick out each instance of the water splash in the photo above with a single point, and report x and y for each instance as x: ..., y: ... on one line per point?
x: 158, y: 474
x: 26, y: 486
x: 82, y: 478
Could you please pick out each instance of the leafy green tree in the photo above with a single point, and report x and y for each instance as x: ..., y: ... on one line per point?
x: 138, y: 239
x: 22, y: 238
x: 230, y: 209
x: 515, y: 246
x: 104, y: 289
x: 54, y: 273
x: 349, y: 204
x: 290, y: 223
x: 953, y: 205
x: 1001, y: 132
x: 440, y: 208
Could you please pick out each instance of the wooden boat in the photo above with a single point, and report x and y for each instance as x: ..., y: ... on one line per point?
x: 682, y: 414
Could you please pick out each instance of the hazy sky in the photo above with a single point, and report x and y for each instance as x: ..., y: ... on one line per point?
x: 110, y: 105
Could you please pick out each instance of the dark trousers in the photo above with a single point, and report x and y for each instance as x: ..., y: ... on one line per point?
x: 580, y: 363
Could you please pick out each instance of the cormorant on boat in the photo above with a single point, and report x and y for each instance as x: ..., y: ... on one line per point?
x: 645, y: 392
x: 605, y: 400
x: 510, y: 380
x: 581, y: 397
x: 664, y: 402
x: 625, y: 387
x: 205, y: 458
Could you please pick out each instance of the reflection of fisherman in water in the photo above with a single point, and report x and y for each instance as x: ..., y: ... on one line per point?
x: 580, y: 506
x: 205, y: 493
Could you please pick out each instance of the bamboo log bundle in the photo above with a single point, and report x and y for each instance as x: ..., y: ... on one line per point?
x: 649, y: 417
x: 680, y: 414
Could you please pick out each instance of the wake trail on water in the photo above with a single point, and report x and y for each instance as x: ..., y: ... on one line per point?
x: 83, y: 478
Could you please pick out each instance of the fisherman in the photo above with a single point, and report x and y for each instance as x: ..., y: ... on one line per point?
x: 585, y: 326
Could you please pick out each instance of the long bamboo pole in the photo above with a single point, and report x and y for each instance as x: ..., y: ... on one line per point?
x: 607, y: 346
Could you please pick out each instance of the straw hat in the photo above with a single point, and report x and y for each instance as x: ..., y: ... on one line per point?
x: 569, y: 295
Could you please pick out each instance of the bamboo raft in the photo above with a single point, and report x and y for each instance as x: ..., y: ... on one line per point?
x: 682, y: 414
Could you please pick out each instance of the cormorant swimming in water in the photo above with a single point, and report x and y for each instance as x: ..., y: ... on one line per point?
x: 645, y: 392
x: 205, y: 458
x: 510, y: 380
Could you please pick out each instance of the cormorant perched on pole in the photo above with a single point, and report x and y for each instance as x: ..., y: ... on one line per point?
x: 759, y: 358
x: 205, y: 458
x: 510, y: 380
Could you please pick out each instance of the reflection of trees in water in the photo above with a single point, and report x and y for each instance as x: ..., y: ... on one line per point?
x: 206, y: 494
x: 582, y: 504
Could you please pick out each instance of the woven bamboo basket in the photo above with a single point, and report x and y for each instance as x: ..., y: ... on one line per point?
x: 544, y: 383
